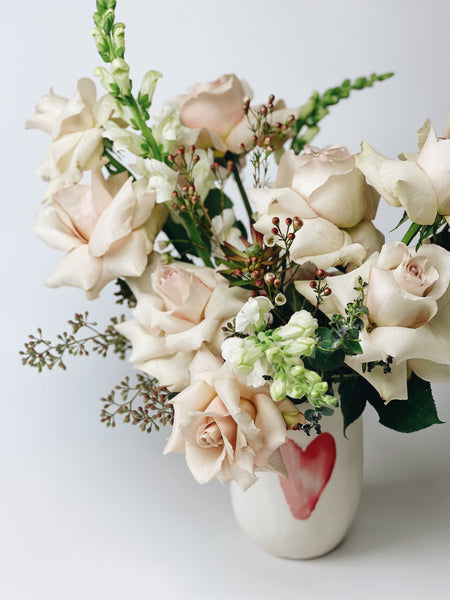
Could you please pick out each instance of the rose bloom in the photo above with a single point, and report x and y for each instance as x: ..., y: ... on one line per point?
x: 326, y: 190
x: 107, y: 230
x: 226, y: 429
x: 420, y: 183
x: 215, y: 109
x: 408, y: 298
x: 179, y: 307
x: 76, y: 129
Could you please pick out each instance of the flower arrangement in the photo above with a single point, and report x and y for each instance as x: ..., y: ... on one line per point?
x: 252, y: 316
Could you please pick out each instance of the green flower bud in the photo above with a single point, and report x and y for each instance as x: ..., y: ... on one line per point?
x: 297, y: 370
x: 149, y: 84
x: 278, y: 387
x: 272, y: 353
x: 118, y: 37
x: 120, y: 72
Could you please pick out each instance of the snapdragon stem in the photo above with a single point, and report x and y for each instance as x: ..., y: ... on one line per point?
x: 145, y: 129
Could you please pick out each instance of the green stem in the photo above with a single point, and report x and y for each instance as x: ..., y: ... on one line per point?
x: 242, y: 191
x: 145, y: 129
x: 117, y: 164
x: 198, y: 242
x: 413, y: 230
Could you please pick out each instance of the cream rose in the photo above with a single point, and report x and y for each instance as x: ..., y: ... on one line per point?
x: 76, y: 127
x: 331, y: 184
x: 107, y: 230
x: 408, y: 298
x: 226, y: 430
x: 327, y: 191
x: 420, y: 183
x: 180, y: 307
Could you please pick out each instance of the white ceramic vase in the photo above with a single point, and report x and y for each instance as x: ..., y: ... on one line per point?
x: 309, y: 514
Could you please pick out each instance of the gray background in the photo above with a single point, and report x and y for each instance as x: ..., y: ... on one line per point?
x: 88, y: 512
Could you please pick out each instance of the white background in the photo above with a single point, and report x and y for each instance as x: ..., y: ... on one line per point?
x: 90, y: 513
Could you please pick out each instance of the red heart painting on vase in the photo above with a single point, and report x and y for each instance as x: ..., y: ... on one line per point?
x: 309, y: 471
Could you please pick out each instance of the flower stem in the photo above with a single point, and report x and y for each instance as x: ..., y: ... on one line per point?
x: 242, y: 191
x: 411, y: 233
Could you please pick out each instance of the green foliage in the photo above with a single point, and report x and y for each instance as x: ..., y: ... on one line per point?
x: 146, y: 403
x: 352, y: 390
x: 124, y: 294
x: 340, y: 338
x: 425, y: 232
x: 406, y: 416
x: 109, y: 38
x: 216, y: 202
x: 41, y: 353
x: 306, y: 126
x: 328, y: 355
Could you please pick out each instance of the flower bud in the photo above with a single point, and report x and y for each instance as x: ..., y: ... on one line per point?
x: 278, y: 387
x: 120, y: 72
x: 149, y: 84
x: 118, y: 38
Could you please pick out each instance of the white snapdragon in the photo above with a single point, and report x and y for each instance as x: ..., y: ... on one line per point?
x: 123, y: 139
x: 149, y: 83
x: 161, y: 177
x: 167, y: 128
x: 254, y: 315
x: 301, y: 325
x: 120, y: 72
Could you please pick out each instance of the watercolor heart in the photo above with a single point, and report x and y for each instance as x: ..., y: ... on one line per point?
x: 309, y: 471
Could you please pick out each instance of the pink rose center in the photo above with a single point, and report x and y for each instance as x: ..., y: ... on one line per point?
x: 416, y: 275
x: 183, y: 293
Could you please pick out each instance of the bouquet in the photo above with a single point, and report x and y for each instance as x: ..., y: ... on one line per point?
x: 251, y: 312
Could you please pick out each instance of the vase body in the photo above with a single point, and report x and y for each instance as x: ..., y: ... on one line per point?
x: 309, y: 514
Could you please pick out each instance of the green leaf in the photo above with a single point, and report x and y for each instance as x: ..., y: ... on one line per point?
x: 328, y: 359
x: 216, y: 201
x: 352, y: 391
x: 325, y: 411
x: 297, y: 302
x: 406, y: 416
x: 351, y: 346
x: 326, y: 356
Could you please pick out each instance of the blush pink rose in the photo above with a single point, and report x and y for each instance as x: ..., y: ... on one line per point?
x: 408, y: 297
x: 215, y: 110
x: 331, y: 184
x: 326, y: 190
x: 216, y: 105
x: 107, y: 230
x: 179, y: 308
x: 225, y: 429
